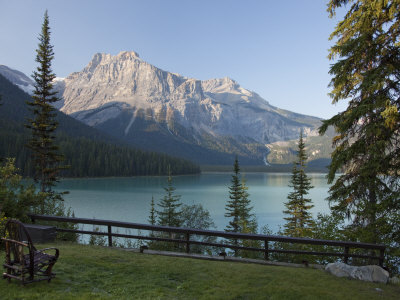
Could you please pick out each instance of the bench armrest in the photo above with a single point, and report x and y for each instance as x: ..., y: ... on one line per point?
x: 51, y: 248
x: 15, y: 242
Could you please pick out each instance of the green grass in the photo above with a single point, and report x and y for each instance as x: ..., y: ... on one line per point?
x: 93, y: 272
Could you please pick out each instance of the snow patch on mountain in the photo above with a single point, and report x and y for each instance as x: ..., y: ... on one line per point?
x: 18, y: 78
x: 130, y: 124
x: 29, y: 89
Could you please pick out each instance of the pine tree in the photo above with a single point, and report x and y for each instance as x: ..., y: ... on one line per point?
x: 366, y: 74
x: 43, y: 125
x: 235, y: 195
x: 247, y: 219
x: 152, y: 217
x: 170, y: 215
x: 42, y: 143
x: 248, y: 222
x: 299, y: 222
x: 239, y: 208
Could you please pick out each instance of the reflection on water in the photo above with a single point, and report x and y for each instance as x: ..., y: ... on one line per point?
x: 128, y: 199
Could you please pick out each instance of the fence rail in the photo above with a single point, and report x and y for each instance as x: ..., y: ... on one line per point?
x: 188, y: 232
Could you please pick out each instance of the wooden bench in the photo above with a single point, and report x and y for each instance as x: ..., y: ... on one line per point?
x: 30, y: 265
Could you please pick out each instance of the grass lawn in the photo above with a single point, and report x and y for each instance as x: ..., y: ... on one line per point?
x: 93, y: 272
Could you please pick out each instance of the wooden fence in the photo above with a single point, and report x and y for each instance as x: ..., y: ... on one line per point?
x: 186, y: 233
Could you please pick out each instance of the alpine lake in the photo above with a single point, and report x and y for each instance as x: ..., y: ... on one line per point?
x: 128, y: 199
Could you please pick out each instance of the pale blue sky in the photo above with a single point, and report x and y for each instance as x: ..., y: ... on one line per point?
x: 276, y: 48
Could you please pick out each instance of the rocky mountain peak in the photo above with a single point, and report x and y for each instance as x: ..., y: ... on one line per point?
x: 125, y: 95
x: 124, y: 55
x: 106, y: 59
x: 221, y: 85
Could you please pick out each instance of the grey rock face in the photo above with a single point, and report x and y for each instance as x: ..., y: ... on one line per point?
x: 206, y: 112
x: 370, y: 273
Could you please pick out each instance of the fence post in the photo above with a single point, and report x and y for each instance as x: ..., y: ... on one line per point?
x: 109, y: 236
x: 266, y: 252
x: 381, y: 257
x: 187, y: 242
x: 346, y: 254
x: 185, y: 238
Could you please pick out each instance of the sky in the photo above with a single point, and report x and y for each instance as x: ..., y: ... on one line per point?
x: 277, y: 49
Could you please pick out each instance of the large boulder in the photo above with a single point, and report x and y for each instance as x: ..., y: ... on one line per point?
x: 371, y: 273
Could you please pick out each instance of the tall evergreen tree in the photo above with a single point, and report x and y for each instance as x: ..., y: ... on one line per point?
x: 43, y: 125
x: 366, y: 73
x: 233, y: 205
x: 169, y: 214
x: 247, y: 219
x: 239, y: 208
x: 299, y: 220
x: 152, y: 217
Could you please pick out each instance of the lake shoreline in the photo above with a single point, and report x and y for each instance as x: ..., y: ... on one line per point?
x: 287, y: 168
x: 128, y: 198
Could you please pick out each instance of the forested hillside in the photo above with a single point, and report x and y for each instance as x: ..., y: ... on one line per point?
x: 88, y: 151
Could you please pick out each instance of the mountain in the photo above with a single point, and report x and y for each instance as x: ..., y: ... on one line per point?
x: 15, y: 111
x: 18, y: 78
x: 89, y: 151
x: 207, y: 121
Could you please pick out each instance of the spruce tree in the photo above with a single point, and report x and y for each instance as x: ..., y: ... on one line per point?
x: 366, y: 74
x: 239, y: 208
x: 169, y: 214
x: 43, y: 125
x: 247, y: 219
x: 235, y: 195
x: 152, y: 217
x: 299, y: 220
x: 248, y: 222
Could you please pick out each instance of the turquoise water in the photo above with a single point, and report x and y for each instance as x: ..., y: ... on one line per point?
x: 128, y: 199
